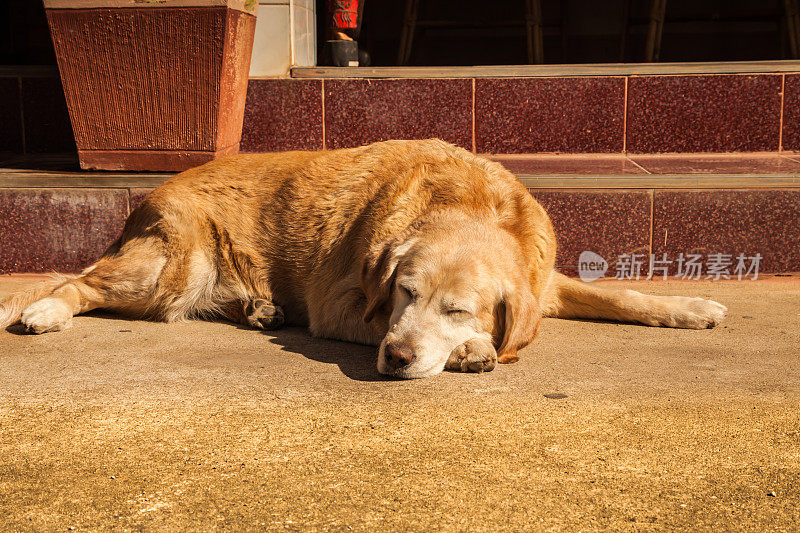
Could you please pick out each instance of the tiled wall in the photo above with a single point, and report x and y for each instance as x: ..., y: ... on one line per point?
x: 68, y: 229
x: 615, y: 222
x: 648, y: 114
x: 33, y: 115
x: 63, y: 230
x: 612, y: 114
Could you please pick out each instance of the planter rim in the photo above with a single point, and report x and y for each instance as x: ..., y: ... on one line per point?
x: 246, y: 6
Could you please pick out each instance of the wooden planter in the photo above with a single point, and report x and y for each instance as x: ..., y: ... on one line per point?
x: 153, y: 84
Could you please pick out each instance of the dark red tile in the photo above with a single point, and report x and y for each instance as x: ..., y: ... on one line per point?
x: 137, y: 195
x: 726, y: 113
x: 791, y: 113
x: 730, y: 222
x: 58, y: 229
x: 608, y: 223
x: 47, y: 124
x: 568, y: 165
x: 283, y: 114
x: 572, y: 115
x: 717, y: 164
x: 10, y: 116
x: 359, y: 112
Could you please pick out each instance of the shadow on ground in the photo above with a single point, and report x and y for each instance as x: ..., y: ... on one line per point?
x: 356, y: 361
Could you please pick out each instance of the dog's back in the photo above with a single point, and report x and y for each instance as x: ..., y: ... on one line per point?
x: 291, y: 227
x: 294, y: 224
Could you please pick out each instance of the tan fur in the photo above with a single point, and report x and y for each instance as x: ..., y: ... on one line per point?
x: 325, y: 235
x: 11, y: 308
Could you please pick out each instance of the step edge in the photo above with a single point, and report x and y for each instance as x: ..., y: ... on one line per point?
x: 561, y: 70
x: 18, y: 180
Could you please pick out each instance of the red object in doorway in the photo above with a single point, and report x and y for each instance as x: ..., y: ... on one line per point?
x: 344, y: 14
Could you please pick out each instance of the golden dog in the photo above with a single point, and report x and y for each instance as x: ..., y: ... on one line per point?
x: 439, y: 257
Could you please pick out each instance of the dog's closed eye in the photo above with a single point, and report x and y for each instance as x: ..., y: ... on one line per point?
x: 411, y: 294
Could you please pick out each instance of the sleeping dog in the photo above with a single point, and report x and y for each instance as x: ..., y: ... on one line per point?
x: 439, y: 257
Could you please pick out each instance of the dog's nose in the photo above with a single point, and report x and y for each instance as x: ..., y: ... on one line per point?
x: 397, y: 355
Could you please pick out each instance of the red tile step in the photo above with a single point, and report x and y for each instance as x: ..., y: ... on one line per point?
x: 623, y: 113
x: 684, y: 164
x: 569, y: 109
x: 612, y: 205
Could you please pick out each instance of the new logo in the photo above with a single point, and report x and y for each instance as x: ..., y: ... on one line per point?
x: 591, y: 266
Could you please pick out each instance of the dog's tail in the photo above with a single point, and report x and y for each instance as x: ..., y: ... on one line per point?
x: 12, y: 306
x: 570, y: 298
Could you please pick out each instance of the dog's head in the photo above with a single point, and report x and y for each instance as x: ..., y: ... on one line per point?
x: 446, y: 284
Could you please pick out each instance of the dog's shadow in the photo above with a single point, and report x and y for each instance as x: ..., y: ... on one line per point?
x: 356, y: 361
x: 17, y: 329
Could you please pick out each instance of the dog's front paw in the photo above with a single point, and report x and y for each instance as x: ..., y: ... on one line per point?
x: 263, y: 314
x: 475, y: 355
x: 48, y: 314
x: 695, y: 313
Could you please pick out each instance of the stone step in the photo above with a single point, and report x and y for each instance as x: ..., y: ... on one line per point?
x: 63, y: 221
x: 611, y: 206
x: 494, y: 110
x: 618, y: 109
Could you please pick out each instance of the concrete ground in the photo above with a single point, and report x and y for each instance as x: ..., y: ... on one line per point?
x: 135, y: 425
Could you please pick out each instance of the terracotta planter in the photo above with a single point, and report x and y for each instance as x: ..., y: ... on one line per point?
x: 153, y: 84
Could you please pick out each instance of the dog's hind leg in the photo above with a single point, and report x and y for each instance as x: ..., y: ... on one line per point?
x: 569, y: 298
x: 262, y: 314
x: 123, y: 280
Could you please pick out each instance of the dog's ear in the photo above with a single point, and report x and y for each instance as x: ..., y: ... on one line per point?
x: 520, y: 322
x: 377, y: 274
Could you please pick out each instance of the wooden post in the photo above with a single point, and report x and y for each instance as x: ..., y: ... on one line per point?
x: 792, y: 26
x: 653, y: 48
x: 407, y: 37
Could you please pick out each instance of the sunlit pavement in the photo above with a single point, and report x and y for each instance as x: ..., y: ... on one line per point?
x: 129, y: 425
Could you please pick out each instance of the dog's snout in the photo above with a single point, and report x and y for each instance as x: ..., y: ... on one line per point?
x: 398, y: 356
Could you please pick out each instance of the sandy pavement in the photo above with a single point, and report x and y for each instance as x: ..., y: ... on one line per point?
x: 134, y: 425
